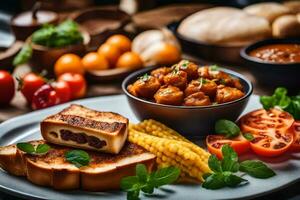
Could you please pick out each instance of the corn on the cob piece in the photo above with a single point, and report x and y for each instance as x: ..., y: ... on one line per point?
x: 158, y: 129
x: 172, y: 152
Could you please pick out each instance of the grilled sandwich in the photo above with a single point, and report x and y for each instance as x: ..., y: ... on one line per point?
x: 80, y: 127
x: 104, y: 172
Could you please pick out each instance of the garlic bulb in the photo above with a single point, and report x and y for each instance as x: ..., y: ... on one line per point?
x: 157, y: 47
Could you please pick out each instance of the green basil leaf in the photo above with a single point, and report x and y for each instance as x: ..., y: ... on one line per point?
x: 23, y: 56
x: 133, y: 195
x: 267, y: 102
x: 42, y: 148
x: 129, y: 183
x: 26, y: 147
x: 165, y: 176
x: 206, y: 175
x: 248, y: 136
x: 230, y: 159
x: 232, y: 180
x: 78, y: 157
x: 141, y: 172
x: 148, y: 188
x: 256, y: 169
x: 214, y: 163
x: 227, y: 128
x: 214, y: 181
x: 280, y: 92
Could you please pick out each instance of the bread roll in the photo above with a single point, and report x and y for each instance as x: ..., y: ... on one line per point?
x: 224, y: 26
x: 294, y: 6
x: 268, y: 10
x: 157, y: 47
x: 286, y: 26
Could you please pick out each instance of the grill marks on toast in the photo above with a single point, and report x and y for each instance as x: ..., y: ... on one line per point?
x: 80, y: 116
x: 57, y: 155
x: 104, y: 172
x: 78, y: 121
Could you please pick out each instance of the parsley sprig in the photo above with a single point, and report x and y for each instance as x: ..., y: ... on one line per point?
x: 147, y: 182
x: 290, y: 104
x: 30, y: 149
x: 225, y: 171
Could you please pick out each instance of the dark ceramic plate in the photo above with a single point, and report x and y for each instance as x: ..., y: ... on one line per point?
x: 193, y: 121
x: 216, y: 53
x: 26, y: 127
x: 273, y: 74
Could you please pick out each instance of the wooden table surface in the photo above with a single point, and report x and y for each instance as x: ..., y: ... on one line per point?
x: 19, y: 107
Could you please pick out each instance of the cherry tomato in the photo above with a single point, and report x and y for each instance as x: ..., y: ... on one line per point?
x: 263, y: 120
x: 44, y: 97
x: 270, y: 131
x: 215, y: 142
x: 7, y: 87
x: 295, y: 129
x: 63, y: 90
x: 76, y: 82
x: 29, y: 84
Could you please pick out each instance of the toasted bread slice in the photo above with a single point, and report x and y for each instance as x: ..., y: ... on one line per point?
x: 80, y: 127
x: 104, y: 172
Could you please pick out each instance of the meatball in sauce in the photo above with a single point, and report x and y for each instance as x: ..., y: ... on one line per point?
x: 145, y: 87
x: 197, y: 99
x: 226, y: 94
x: 177, y: 79
x: 187, y: 84
x: 169, y: 95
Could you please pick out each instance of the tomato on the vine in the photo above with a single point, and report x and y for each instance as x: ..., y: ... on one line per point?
x: 7, y: 87
x: 76, y: 82
x: 29, y: 84
x: 215, y: 142
x: 63, y: 90
x: 44, y: 97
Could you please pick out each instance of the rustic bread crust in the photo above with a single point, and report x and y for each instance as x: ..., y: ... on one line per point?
x: 51, y: 170
x: 109, y: 129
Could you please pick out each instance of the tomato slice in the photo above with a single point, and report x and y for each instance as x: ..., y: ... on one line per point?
x: 295, y: 129
x: 215, y: 142
x: 272, y: 143
x: 263, y: 120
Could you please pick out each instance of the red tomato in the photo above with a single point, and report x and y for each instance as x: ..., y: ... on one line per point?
x: 76, y: 82
x: 44, y: 97
x: 271, y: 143
x: 295, y: 129
x: 215, y: 142
x: 270, y: 131
x: 7, y: 87
x: 263, y: 120
x: 63, y: 90
x: 29, y: 84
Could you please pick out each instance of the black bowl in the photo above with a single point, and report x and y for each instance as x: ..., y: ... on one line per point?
x: 196, y: 121
x: 216, y: 53
x: 272, y: 74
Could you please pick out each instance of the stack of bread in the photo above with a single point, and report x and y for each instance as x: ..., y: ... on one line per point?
x: 227, y: 26
x: 102, y: 134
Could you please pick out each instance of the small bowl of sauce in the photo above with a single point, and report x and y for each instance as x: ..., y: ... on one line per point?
x: 278, y: 53
x: 274, y: 62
